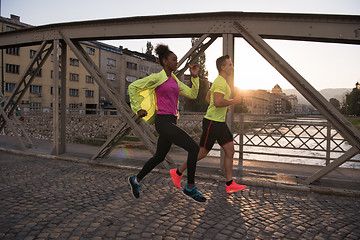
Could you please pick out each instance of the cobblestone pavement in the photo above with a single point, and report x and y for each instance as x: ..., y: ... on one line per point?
x: 54, y: 199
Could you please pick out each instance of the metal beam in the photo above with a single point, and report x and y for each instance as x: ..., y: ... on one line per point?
x: 228, y: 49
x: 12, y: 127
x: 137, y: 125
x: 193, y: 49
x: 332, y: 166
x: 202, y: 48
x: 55, y: 107
x: 304, y: 27
x: 63, y: 113
x: 342, y: 125
x: 23, y: 84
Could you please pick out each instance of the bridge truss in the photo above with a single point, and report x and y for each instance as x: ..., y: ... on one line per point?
x: 253, y: 27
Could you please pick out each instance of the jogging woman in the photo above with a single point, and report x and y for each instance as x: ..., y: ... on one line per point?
x: 161, y: 90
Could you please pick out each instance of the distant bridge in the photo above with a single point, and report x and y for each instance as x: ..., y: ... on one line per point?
x: 253, y: 27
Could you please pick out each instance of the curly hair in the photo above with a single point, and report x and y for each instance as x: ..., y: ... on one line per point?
x: 163, y: 52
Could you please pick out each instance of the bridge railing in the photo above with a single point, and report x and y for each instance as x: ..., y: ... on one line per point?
x: 280, y: 138
x: 275, y: 138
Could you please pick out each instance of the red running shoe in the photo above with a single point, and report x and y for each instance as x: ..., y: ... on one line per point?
x: 234, y: 187
x: 175, y: 178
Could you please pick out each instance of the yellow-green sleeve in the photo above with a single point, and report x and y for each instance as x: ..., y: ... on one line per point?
x: 134, y: 89
x: 190, y: 92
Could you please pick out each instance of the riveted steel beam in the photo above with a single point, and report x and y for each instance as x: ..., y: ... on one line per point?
x: 338, y: 121
x: 304, y: 27
x: 26, y: 79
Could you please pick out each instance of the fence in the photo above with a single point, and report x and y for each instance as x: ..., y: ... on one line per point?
x: 281, y: 138
x: 277, y: 138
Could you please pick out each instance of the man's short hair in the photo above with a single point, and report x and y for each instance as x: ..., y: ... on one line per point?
x: 221, y: 61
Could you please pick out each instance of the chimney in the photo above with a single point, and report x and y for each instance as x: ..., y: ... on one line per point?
x: 14, y: 17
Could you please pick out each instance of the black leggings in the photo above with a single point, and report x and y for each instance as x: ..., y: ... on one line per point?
x: 169, y: 133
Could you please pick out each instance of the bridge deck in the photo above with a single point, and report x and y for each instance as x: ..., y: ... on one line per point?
x: 255, y: 172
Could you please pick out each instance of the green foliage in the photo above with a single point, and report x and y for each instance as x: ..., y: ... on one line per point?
x: 353, y: 102
x: 199, y: 104
x: 288, y: 106
x: 335, y: 103
x: 355, y: 122
x: 149, y: 48
x: 241, y: 108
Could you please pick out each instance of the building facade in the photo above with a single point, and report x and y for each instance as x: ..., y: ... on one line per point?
x: 119, y: 66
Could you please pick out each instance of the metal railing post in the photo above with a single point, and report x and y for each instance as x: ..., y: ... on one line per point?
x: 241, y: 146
x: 328, y: 142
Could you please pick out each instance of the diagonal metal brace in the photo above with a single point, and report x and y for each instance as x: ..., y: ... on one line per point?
x: 332, y: 166
x: 342, y: 125
x: 139, y: 127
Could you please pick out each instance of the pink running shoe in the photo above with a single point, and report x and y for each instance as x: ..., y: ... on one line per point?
x: 175, y: 178
x: 234, y: 187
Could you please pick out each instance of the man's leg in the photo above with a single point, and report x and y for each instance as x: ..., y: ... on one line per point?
x: 228, y: 159
x: 230, y: 185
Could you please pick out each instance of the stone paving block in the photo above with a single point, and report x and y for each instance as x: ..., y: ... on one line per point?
x: 54, y: 199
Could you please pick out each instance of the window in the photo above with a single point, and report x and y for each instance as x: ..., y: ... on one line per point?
x: 73, y: 106
x: 11, y: 68
x: 13, y: 51
x: 89, y: 93
x: 35, y: 106
x: 74, y: 62
x: 154, y: 70
x: 9, y: 87
x: 144, y: 69
x: 90, y: 50
x: 8, y: 28
x: 131, y: 65
x: 32, y: 53
x: 74, y: 77
x: 130, y: 78
x: 35, y: 89
x: 111, y: 62
x: 89, y: 79
x: 73, y: 92
x: 111, y: 76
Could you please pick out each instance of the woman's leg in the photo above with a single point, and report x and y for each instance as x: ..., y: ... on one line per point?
x: 183, y: 140
x: 163, y: 147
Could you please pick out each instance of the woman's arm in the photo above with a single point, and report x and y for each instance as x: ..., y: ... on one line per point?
x: 134, y: 89
x: 193, y: 91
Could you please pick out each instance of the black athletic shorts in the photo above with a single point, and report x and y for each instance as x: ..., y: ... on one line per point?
x: 215, y: 131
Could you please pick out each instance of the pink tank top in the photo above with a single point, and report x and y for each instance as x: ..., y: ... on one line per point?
x: 167, y: 96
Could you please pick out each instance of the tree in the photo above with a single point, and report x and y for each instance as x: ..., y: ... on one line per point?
x: 241, y: 107
x: 199, y: 104
x: 335, y: 103
x: 353, y: 102
x: 149, y: 48
x: 288, y: 106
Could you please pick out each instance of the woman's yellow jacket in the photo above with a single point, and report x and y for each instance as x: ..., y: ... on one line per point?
x: 142, y: 92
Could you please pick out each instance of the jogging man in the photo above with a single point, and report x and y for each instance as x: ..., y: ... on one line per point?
x: 214, y: 125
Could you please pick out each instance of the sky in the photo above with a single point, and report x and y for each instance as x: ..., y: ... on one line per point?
x: 323, y: 65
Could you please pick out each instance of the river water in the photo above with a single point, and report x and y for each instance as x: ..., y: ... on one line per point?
x: 314, y: 137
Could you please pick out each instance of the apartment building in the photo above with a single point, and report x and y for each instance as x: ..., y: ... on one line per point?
x: 82, y: 92
x: 257, y: 101
x: 120, y: 66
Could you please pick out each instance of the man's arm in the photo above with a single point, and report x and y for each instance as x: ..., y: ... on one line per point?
x: 207, y: 97
x: 219, y: 100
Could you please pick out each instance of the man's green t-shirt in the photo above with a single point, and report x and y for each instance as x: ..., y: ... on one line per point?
x: 213, y: 113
